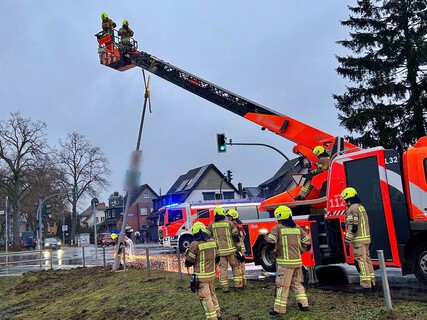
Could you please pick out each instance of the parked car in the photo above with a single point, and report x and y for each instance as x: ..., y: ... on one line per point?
x: 52, y: 243
x: 28, y: 240
x: 104, y: 239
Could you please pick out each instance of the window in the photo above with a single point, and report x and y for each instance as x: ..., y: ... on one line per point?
x: 203, y: 213
x: 143, y: 211
x: 208, y: 196
x: 228, y: 195
x: 146, y: 195
x: 174, y: 215
x: 248, y: 212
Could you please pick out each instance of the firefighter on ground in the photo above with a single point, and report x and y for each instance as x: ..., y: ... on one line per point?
x: 125, y: 33
x: 107, y: 25
x: 202, y: 254
x: 128, y: 244
x: 358, y: 236
x: 287, y: 241
x: 321, y: 166
x: 227, y: 237
x: 233, y: 216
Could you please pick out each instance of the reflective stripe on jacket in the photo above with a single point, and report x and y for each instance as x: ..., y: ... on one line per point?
x: 289, y: 242
x: 202, y: 254
x: 356, y: 215
x: 223, y: 232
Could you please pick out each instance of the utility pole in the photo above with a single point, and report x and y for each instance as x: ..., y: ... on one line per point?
x: 95, y: 203
x: 6, y: 211
x: 39, y: 217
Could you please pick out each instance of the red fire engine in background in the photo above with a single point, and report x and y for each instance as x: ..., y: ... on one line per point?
x: 391, y: 183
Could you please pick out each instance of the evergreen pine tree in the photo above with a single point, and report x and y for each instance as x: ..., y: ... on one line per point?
x: 389, y: 71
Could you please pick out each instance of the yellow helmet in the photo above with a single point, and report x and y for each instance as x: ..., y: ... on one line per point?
x: 318, y: 150
x: 219, y: 211
x: 198, y: 226
x: 282, y: 213
x: 348, y: 193
x: 104, y: 15
x: 114, y: 236
x: 233, y: 213
x: 125, y: 22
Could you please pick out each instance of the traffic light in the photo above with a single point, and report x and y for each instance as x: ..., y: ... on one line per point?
x: 229, y: 175
x: 74, y: 192
x: 222, y: 147
x: 46, y: 210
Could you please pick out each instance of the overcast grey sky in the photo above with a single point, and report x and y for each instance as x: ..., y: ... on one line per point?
x: 277, y: 53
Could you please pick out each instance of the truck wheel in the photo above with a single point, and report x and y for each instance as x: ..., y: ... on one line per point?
x: 184, y: 242
x: 419, y: 258
x: 266, y: 258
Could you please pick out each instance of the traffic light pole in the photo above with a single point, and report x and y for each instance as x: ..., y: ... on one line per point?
x: 231, y: 143
x: 39, y: 215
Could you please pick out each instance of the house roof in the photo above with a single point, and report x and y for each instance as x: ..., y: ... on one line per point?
x: 187, y: 182
x: 137, y: 192
x: 88, y: 211
x: 281, y: 179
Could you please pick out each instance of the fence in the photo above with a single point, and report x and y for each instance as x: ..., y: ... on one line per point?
x: 16, y: 263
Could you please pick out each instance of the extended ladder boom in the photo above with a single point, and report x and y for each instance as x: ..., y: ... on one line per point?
x: 305, y: 136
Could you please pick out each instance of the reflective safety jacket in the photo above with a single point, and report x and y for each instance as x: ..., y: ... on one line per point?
x: 356, y: 218
x: 125, y: 34
x: 202, y: 254
x: 322, y: 164
x: 223, y: 231
x: 108, y: 25
x: 242, y: 235
x: 290, y: 243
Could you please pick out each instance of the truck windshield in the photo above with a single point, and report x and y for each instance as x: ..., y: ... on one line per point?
x: 174, y: 215
x: 161, y: 218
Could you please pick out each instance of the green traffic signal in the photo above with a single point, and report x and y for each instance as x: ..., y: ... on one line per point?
x: 221, y: 142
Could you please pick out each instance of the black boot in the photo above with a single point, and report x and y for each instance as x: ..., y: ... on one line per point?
x: 300, y: 306
x: 274, y: 313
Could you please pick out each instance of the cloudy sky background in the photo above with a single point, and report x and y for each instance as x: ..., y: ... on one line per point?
x: 278, y: 53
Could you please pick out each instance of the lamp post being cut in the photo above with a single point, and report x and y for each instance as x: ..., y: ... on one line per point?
x: 133, y: 174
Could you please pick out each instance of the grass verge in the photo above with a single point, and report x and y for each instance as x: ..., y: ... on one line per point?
x: 98, y: 293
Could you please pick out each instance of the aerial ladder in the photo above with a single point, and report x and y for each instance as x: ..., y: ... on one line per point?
x: 391, y: 182
x: 305, y: 137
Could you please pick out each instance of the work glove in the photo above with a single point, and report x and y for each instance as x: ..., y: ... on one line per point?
x: 308, y: 175
x: 240, y: 256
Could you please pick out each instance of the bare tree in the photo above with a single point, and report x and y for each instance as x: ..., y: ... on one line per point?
x: 22, y: 143
x: 45, y: 181
x: 85, y: 170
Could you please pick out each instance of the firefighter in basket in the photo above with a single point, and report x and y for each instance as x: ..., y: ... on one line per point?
x: 202, y: 254
x: 125, y: 34
x: 288, y: 241
x: 321, y: 166
x: 107, y: 25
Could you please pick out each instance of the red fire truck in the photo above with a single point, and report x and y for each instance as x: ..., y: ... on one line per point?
x: 391, y: 183
x: 175, y: 223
